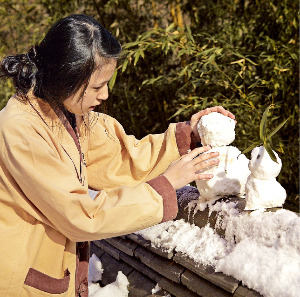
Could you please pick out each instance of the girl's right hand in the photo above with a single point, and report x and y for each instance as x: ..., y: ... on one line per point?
x: 185, y: 170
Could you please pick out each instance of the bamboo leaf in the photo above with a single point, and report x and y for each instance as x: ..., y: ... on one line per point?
x: 270, y: 152
x: 170, y: 27
x: 251, y: 147
x: 113, y: 80
x: 124, y: 66
x: 277, y: 129
x: 263, y: 123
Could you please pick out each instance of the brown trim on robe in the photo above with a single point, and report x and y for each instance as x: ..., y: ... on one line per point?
x: 184, y: 137
x: 82, y: 269
x: 163, y: 187
x: 46, y: 283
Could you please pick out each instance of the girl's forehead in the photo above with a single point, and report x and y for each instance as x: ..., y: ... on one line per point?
x: 104, y: 72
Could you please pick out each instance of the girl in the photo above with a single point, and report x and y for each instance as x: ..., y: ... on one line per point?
x: 54, y: 147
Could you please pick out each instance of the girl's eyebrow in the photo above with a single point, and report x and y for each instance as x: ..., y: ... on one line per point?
x: 98, y: 86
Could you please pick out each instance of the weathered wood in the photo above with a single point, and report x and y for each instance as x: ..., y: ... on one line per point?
x: 167, y: 268
x: 243, y: 291
x: 139, y: 266
x: 102, y: 244
x: 125, y: 245
x: 147, y: 244
x: 202, y: 287
x: 111, y: 268
x: 225, y: 282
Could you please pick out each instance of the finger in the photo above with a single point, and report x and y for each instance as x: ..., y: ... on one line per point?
x: 223, y: 111
x: 204, y: 176
x: 203, y: 157
x: 199, y: 150
x: 206, y: 164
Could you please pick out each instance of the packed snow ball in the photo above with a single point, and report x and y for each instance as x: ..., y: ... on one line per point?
x: 216, y: 129
x: 262, y: 166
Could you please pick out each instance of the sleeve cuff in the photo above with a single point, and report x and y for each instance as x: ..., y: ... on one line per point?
x: 184, y: 137
x: 163, y: 187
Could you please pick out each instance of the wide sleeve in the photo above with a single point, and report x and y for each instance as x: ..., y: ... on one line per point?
x: 49, y: 191
x: 115, y: 158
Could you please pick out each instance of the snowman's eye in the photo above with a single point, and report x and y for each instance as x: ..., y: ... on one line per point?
x: 258, y: 156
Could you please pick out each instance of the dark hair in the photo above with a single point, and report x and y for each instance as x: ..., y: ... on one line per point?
x: 64, y: 60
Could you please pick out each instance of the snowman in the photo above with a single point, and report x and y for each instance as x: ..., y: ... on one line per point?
x: 231, y: 174
x: 262, y: 189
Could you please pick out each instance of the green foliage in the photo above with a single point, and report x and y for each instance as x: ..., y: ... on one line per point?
x: 183, y: 56
x: 265, y: 139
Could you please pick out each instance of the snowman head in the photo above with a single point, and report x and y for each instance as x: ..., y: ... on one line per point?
x: 262, y: 166
x: 216, y: 129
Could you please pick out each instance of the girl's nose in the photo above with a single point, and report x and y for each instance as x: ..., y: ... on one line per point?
x: 103, y: 95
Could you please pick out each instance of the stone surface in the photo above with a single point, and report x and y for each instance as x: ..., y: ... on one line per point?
x: 223, y: 281
x: 201, y: 286
x: 124, y: 245
x: 167, y: 268
x: 243, y: 291
x: 147, y: 244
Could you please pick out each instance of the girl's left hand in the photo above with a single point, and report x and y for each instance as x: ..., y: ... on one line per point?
x: 196, y: 117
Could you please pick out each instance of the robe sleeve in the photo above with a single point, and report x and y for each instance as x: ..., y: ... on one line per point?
x: 115, y: 158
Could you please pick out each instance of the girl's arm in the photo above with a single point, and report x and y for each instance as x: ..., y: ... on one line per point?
x: 115, y: 158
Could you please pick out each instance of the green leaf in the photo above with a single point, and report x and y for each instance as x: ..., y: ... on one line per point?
x: 170, y: 27
x: 263, y: 123
x: 137, y: 55
x: 270, y: 152
x: 277, y: 129
x: 190, y: 33
x: 124, y: 66
x: 113, y: 80
x: 251, y: 147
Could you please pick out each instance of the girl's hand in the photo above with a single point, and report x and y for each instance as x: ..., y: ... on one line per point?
x: 185, y: 170
x: 196, y: 117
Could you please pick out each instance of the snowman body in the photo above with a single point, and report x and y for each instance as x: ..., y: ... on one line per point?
x: 231, y: 174
x: 262, y: 189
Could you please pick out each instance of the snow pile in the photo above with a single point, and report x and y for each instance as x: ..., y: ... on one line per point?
x: 179, y: 235
x: 211, y: 129
x: 262, y: 189
x: 230, y: 175
x: 115, y: 289
x: 261, y: 249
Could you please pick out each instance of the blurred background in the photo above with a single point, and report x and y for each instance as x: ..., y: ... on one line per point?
x: 182, y: 56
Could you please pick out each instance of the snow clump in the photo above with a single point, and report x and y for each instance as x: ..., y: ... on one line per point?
x: 216, y: 129
x: 262, y: 189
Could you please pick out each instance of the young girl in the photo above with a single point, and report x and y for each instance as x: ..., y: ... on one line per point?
x: 54, y: 147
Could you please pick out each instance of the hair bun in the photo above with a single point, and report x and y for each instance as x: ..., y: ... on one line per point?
x: 21, y: 68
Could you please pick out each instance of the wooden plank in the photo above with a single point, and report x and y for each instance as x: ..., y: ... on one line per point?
x: 125, y: 245
x: 147, y: 244
x: 202, y: 287
x: 165, y: 267
x: 221, y: 280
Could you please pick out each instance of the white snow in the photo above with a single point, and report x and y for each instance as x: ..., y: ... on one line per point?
x: 211, y: 129
x: 264, y: 193
x: 119, y: 288
x: 261, y: 249
x: 262, y: 189
x: 230, y: 175
x: 262, y: 166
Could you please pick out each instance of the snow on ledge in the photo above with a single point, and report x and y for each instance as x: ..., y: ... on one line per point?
x: 261, y: 249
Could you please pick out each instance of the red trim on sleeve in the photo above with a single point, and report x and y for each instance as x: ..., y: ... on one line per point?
x: 163, y: 187
x: 184, y: 137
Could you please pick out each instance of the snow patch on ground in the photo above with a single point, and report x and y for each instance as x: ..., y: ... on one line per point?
x: 261, y: 249
x: 119, y: 288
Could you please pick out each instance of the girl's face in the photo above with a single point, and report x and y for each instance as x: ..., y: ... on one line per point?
x: 97, y: 90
